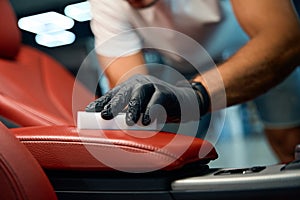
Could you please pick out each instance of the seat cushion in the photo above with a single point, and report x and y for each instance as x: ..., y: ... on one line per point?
x: 66, y: 148
x: 37, y: 90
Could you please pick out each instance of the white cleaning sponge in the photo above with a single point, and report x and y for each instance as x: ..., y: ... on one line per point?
x: 93, y: 120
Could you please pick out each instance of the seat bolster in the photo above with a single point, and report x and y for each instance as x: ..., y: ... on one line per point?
x: 66, y: 148
x: 20, y: 173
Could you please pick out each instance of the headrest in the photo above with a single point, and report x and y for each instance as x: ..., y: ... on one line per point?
x: 10, y: 35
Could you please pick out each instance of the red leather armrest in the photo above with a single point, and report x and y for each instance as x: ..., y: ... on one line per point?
x: 66, y: 148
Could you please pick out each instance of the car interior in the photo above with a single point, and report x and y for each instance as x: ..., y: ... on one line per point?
x: 43, y: 155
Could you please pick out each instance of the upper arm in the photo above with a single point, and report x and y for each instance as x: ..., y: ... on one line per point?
x: 256, y: 16
x: 116, y: 43
x: 112, y: 28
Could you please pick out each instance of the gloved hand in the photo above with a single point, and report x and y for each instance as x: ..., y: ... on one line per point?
x: 139, y: 95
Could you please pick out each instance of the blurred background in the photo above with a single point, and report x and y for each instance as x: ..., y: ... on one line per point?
x: 242, y: 142
x: 70, y: 55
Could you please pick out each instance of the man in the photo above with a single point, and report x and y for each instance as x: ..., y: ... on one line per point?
x: 267, y: 59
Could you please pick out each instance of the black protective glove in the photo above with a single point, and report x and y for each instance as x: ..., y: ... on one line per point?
x: 139, y: 95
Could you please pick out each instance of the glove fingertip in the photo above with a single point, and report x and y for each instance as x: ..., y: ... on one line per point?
x: 106, y: 114
x: 92, y: 107
x: 146, y: 120
x: 129, y: 119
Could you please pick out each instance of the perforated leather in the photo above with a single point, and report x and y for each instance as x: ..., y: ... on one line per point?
x: 64, y: 147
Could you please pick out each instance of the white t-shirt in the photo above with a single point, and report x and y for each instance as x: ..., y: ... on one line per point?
x: 210, y: 23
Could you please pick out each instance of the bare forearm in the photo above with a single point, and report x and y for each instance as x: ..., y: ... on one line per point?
x: 120, y: 69
x: 269, y: 57
x: 259, y: 66
x: 254, y: 69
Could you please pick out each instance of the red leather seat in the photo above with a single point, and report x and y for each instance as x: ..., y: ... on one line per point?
x: 21, y: 177
x: 37, y: 91
x: 34, y: 88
